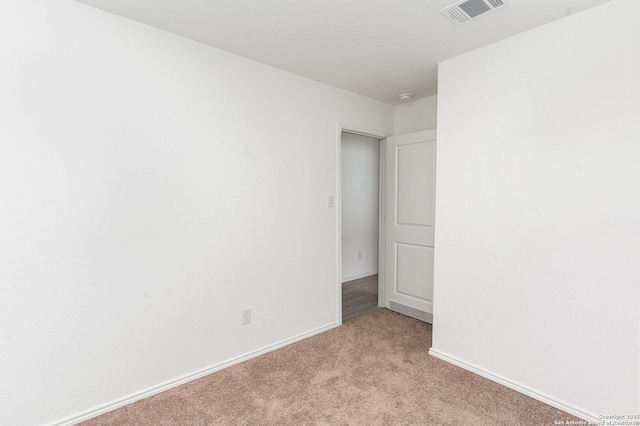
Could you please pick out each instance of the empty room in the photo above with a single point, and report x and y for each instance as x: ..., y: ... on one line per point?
x: 179, y: 193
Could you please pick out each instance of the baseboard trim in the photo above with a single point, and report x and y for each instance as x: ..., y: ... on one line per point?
x: 411, y: 312
x: 540, y: 396
x: 357, y: 277
x: 94, y: 412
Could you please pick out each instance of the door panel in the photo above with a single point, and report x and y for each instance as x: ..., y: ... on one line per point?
x: 410, y: 198
x: 415, y: 208
x: 415, y: 268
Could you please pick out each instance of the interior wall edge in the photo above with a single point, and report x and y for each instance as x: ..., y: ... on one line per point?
x: 170, y: 384
x: 519, y: 387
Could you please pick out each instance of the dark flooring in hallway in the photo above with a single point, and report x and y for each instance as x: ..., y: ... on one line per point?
x: 359, y: 297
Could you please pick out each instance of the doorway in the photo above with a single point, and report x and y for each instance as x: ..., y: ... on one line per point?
x: 360, y: 218
x: 406, y: 197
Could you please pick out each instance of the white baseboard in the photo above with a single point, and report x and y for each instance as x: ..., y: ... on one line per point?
x: 357, y: 277
x: 547, y: 399
x: 94, y: 412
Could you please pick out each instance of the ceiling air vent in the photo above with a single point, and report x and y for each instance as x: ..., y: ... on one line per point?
x: 466, y: 10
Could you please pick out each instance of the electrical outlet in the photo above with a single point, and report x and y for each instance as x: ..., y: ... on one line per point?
x: 245, y: 316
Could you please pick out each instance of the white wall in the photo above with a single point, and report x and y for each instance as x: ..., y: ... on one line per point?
x: 416, y: 116
x: 537, y: 270
x: 360, y: 165
x: 151, y: 188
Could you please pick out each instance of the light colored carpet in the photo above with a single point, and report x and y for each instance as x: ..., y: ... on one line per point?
x: 373, y: 370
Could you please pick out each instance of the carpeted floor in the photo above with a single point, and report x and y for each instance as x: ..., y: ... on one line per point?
x: 373, y: 370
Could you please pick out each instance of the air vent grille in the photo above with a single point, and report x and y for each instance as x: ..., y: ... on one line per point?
x: 466, y: 10
x: 474, y: 8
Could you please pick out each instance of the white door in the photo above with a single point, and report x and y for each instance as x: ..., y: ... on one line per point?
x: 410, y: 197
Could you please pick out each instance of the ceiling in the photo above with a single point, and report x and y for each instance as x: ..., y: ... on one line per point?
x: 377, y: 48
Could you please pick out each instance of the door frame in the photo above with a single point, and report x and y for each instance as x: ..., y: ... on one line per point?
x: 382, y: 136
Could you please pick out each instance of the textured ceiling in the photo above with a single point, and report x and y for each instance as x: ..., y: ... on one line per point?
x: 377, y: 48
